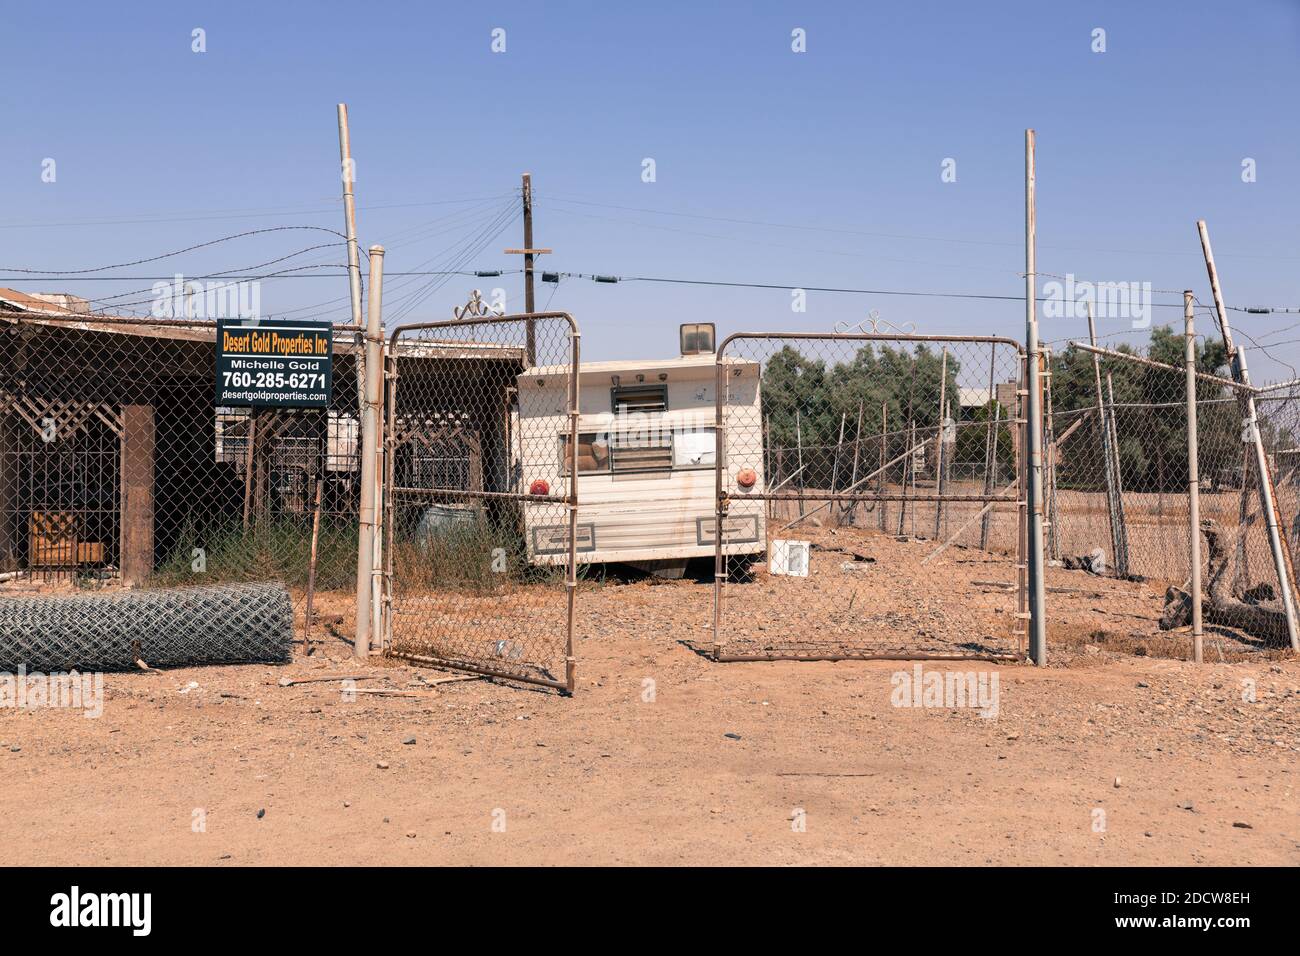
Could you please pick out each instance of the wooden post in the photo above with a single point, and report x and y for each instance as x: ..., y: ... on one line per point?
x: 529, y: 299
x: 137, y: 491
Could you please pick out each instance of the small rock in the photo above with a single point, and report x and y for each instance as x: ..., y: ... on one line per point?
x: 1242, y: 826
x: 261, y: 813
x: 1117, y: 781
x: 382, y: 764
x: 1143, y: 683
x: 409, y: 740
x: 285, y: 682
x: 410, y: 834
x: 732, y: 736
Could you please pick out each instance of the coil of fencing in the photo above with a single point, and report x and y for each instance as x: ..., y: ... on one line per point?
x: 173, y: 627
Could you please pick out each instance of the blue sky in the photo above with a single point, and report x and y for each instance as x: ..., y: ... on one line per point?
x: 818, y: 169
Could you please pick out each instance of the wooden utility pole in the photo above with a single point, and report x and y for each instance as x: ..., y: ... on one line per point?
x: 528, y: 252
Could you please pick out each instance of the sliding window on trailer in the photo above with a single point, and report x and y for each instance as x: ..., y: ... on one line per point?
x: 662, y: 450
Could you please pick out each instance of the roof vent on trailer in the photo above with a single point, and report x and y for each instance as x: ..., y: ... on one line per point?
x: 698, y: 338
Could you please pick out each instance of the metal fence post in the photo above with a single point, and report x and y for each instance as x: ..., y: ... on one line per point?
x: 1193, y: 479
x: 1037, y: 586
x: 366, y: 554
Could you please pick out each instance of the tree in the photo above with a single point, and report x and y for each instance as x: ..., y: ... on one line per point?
x: 1150, y: 414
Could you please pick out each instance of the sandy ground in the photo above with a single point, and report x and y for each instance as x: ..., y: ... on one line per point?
x: 666, y: 757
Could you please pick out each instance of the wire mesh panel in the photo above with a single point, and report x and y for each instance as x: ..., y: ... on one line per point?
x: 481, y: 522
x: 118, y: 469
x: 1117, y: 487
x: 880, y: 476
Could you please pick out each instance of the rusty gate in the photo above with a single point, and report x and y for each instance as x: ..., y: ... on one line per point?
x: 481, y: 495
x: 869, y: 497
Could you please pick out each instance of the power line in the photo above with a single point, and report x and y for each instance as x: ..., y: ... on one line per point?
x: 169, y: 255
x: 595, y: 277
x: 246, y: 213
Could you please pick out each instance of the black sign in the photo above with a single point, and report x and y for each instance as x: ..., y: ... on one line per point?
x: 275, y: 364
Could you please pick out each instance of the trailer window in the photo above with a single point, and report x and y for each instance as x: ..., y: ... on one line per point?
x: 646, y: 450
x: 694, y: 448
x: 639, y: 398
x: 593, y: 453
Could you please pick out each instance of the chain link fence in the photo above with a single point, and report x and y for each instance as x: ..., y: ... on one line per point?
x: 1118, y: 491
x: 882, y: 476
x: 482, y: 460
x: 117, y: 468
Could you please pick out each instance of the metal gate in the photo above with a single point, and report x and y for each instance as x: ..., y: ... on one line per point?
x: 870, y: 502
x: 481, y: 510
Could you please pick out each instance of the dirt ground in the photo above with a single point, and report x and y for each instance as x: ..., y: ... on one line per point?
x: 1112, y: 755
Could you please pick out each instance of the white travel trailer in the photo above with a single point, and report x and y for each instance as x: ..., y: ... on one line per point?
x: 646, y: 458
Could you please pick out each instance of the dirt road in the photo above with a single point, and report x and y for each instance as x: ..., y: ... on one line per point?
x: 819, y: 767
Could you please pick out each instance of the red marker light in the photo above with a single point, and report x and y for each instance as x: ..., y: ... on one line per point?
x: 746, y: 477
x: 539, y: 487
